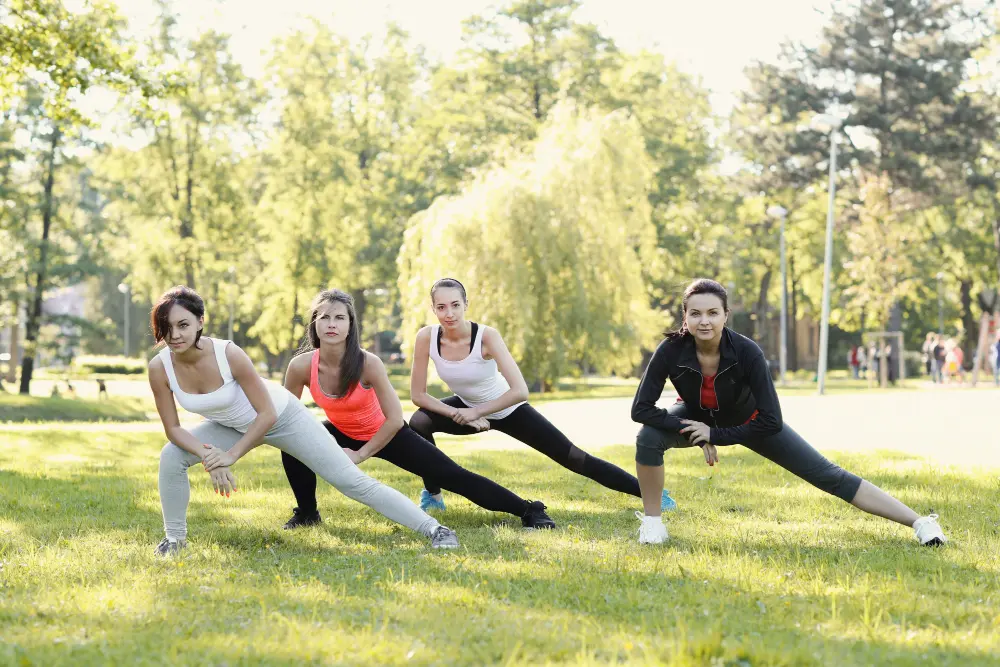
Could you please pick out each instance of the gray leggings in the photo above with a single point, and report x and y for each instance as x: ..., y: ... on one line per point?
x: 786, y: 448
x: 301, y: 435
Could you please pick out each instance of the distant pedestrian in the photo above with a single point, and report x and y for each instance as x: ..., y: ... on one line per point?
x: 102, y: 390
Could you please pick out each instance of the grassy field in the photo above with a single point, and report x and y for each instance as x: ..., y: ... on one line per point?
x: 15, y: 408
x: 761, y: 569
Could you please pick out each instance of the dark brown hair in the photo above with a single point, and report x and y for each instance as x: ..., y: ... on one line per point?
x: 352, y: 364
x: 449, y: 282
x: 159, y: 317
x: 699, y: 286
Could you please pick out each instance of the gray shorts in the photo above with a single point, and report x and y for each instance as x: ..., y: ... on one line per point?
x: 786, y: 448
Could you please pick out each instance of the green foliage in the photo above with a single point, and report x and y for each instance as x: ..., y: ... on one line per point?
x: 554, y: 249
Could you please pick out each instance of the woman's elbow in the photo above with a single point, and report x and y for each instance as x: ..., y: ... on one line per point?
x: 268, y: 417
x: 418, y: 398
x: 638, y: 413
x: 521, y: 393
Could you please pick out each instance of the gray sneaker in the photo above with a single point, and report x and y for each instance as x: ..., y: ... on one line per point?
x: 444, y: 538
x: 169, y: 547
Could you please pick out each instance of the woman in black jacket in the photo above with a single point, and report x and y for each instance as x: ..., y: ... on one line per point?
x: 727, y: 397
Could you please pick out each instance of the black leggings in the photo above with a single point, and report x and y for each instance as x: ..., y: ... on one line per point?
x: 409, y: 451
x: 530, y: 427
x: 786, y: 448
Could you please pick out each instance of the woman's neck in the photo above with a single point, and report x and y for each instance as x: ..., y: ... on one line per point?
x: 462, y: 330
x: 708, y: 348
x: 331, y: 354
x: 190, y: 356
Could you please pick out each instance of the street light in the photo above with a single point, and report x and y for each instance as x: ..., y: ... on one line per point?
x: 124, y: 289
x: 827, y: 124
x: 782, y: 213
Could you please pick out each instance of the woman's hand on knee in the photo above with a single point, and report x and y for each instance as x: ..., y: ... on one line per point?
x: 217, y: 458
x: 697, y: 433
x: 481, y: 424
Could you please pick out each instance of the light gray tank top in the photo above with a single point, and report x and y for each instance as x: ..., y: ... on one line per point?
x: 228, y: 405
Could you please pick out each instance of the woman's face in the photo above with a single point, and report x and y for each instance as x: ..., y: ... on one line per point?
x: 333, y: 323
x: 183, y: 328
x: 705, y: 316
x: 449, y: 307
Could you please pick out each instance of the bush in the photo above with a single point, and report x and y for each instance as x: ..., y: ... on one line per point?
x: 92, y: 364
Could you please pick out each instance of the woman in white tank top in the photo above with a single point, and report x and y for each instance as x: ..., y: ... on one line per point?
x: 215, y: 379
x: 490, y: 393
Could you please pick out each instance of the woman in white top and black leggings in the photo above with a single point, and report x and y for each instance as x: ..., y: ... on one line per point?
x: 490, y: 393
x: 242, y: 411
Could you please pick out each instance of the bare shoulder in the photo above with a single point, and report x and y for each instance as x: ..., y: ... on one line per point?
x: 155, y: 365
x: 373, y: 363
x: 424, y: 334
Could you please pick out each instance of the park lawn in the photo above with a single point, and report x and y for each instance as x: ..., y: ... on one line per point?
x: 17, y: 408
x: 761, y: 569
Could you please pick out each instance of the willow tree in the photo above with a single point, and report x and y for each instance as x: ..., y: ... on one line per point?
x: 555, y: 248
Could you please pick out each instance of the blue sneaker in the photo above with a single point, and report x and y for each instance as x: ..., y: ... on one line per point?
x: 429, y: 502
x: 667, y: 504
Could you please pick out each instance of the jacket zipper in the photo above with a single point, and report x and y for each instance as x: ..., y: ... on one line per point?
x: 710, y: 411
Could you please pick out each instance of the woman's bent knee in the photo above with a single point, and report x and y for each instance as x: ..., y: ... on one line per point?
x: 650, y: 443
x: 172, y: 456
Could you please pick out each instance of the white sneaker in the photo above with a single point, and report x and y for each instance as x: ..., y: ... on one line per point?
x: 652, y: 530
x: 928, y: 532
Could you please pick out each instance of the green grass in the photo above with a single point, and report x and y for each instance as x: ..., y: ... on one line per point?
x: 761, y: 569
x: 16, y: 408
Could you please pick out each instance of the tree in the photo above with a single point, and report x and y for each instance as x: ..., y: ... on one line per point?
x: 555, y: 248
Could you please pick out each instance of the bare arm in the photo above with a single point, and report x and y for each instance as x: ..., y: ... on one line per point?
x: 418, y: 377
x: 253, y: 386
x: 493, y: 346
x: 297, y: 374
x: 167, y: 410
x: 376, y: 377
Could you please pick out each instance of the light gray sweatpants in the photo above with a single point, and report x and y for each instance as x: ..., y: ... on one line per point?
x: 301, y: 435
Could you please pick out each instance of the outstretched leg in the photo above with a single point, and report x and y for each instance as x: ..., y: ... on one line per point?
x: 530, y: 427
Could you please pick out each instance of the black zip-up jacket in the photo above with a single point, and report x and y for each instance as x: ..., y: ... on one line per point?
x: 742, y: 387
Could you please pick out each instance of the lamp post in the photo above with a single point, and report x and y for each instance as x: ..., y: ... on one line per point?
x: 827, y: 124
x: 127, y: 292
x: 781, y: 213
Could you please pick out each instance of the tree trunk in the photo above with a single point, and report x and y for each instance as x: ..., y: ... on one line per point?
x: 35, y: 312
x: 969, y: 322
x: 761, y: 309
x: 360, y: 306
x: 187, y: 220
x: 15, y: 329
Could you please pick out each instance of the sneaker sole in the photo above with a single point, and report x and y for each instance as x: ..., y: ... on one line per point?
x: 933, y: 542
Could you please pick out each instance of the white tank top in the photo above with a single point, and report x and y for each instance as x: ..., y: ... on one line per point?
x: 474, y: 380
x: 227, y: 405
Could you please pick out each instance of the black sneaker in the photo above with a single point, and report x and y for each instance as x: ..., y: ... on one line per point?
x: 535, y: 516
x: 169, y: 547
x: 300, y: 518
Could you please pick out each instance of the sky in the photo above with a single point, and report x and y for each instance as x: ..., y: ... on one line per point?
x: 711, y: 39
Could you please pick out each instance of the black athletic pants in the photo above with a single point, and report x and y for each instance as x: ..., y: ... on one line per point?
x: 530, y: 427
x: 409, y: 451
